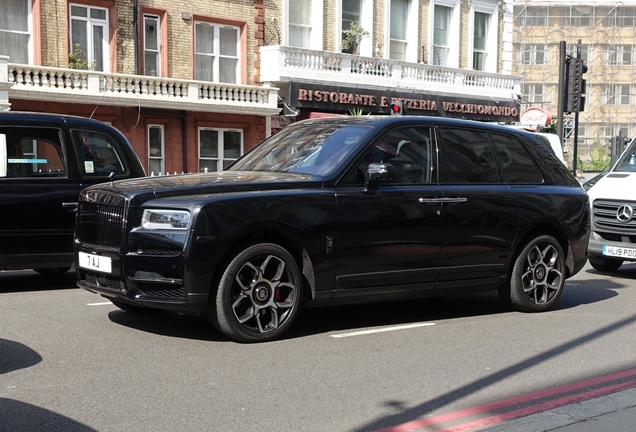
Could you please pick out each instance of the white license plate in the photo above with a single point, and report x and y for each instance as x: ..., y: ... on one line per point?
x: 94, y: 262
x: 619, y: 252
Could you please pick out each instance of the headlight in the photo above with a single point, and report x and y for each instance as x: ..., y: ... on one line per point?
x: 165, y: 219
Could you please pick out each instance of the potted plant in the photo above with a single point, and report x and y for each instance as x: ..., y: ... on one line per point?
x: 351, y: 38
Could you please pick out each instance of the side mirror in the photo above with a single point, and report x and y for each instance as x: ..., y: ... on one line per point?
x: 378, y: 173
x: 381, y: 172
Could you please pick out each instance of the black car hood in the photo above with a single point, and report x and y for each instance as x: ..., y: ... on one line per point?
x: 202, y: 183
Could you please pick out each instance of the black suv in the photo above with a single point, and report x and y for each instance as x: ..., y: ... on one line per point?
x: 45, y: 161
x: 340, y: 210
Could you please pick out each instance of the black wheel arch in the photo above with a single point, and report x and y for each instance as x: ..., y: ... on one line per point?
x: 545, y: 228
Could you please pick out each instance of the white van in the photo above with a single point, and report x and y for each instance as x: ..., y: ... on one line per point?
x: 613, y: 202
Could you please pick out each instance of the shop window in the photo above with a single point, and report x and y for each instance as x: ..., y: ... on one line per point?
x: 219, y: 148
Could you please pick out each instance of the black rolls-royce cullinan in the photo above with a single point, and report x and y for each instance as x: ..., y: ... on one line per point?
x: 340, y: 210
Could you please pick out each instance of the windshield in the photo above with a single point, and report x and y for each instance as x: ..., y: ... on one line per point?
x: 306, y: 149
x: 627, y: 162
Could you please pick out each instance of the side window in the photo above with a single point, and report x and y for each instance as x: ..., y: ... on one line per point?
x: 31, y: 153
x: 98, y: 154
x: 406, y: 154
x: 467, y: 157
x: 516, y: 164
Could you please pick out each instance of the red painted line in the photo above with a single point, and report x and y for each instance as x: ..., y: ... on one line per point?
x: 405, y: 427
x: 523, y: 412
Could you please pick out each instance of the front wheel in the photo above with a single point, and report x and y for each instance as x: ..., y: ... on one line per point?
x: 605, y: 264
x: 538, y: 275
x: 259, y: 294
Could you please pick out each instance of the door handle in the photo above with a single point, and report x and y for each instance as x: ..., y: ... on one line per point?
x: 442, y: 201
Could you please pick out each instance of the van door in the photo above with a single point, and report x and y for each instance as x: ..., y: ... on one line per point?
x: 38, y: 198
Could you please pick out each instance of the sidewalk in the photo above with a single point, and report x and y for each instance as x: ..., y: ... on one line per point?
x: 612, y: 413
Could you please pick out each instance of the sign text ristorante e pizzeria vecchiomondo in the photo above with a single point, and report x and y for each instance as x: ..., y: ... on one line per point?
x: 377, y: 102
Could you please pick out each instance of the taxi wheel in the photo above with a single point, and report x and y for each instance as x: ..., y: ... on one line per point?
x: 538, y: 275
x: 605, y: 264
x: 259, y: 294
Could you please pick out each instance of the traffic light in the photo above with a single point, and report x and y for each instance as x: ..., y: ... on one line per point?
x: 397, y: 107
x: 575, y: 85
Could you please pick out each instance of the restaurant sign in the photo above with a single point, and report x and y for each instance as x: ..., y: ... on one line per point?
x: 343, y: 99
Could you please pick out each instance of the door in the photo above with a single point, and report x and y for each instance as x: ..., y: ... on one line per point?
x: 388, y: 239
x: 480, y: 212
x: 38, y: 198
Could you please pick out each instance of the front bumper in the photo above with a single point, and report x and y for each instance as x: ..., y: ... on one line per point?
x: 595, y: 247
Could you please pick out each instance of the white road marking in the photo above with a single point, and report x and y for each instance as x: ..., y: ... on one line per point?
x: 381, y: 330
x: 99, y: 304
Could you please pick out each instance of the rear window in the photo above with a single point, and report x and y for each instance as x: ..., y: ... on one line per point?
x: 467, y: 157
x: 516, y: 164
x: 31, y: 153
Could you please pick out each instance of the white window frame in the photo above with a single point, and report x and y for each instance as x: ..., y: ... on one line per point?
x: 157, y: 52
x: 316, y: 38
x: 217, y: 51
x: 90, y: 23
x: 29, y: 33
x: 366, y: 22
x: 161, y: 158
x: 613, y: 94
x: 489, y: 7
x: 620, y: 55
x: 530, y: 93
x: 529, y: 54
x: 220, y: 154
x: 453, y: 31
x: 411, y: 53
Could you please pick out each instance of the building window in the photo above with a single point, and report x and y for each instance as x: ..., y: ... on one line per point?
x: 156, y: 149
x: 89, y: 31
x: 15, y: 35
x: 619, y: 55
x: 218, y: 148
x: 480, y: 38
x: 534, y: 54
x: 216, y: 52
x: 586, y: 51
x: 533, y: 93
x: 152, y: 45
x: 616, y: 94
x: 533, y: 16
x: 351, y: 15
x: 581, y: 16
x: 300, y: 23
x: 441, y: 27
x: 398, y: 20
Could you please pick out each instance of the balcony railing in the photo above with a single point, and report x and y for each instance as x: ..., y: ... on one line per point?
x: 283, y: 63
x: 82, y: 86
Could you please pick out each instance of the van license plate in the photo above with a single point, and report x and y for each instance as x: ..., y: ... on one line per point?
x: 94, y: 262
x: 619, y: 252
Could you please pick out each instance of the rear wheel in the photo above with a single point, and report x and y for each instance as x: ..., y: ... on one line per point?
x: 259, y: 294
x: 605, y: 264
x: 538, y: 276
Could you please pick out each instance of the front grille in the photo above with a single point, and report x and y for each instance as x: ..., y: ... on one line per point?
x: 605, y: 212
x: 100, y: 224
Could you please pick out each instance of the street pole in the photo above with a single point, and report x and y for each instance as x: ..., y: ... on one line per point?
x: 561, y: 96
x: 576, y: 122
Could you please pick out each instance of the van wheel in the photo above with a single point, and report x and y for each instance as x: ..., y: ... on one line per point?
x: 605, y: 264
x: 259, y: 294
x: 538, y: 275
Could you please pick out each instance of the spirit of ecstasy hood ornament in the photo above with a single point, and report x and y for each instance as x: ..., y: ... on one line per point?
x: 111, y: 176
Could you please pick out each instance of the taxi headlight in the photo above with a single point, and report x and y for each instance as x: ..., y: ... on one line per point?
x: 165, y: 219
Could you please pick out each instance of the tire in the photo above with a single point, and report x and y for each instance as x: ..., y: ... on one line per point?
x: 605, y: 264
x: 259, y: 294
x: 133, y: 308
x: 538, y: 276
x: 52, y: 271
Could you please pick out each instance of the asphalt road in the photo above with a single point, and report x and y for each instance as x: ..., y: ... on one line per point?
x: 70, y: 361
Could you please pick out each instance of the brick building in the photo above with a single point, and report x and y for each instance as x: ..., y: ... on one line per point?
x: 178, y: 78
x: 194, y: 84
